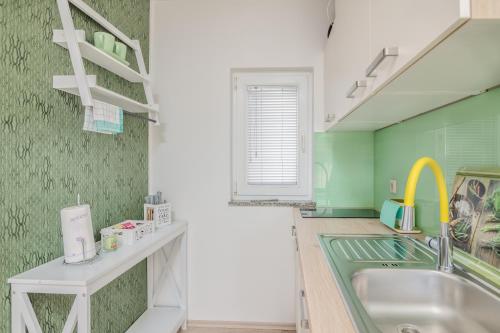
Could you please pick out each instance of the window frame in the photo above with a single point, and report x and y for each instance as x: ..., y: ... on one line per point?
x: 240, y: 189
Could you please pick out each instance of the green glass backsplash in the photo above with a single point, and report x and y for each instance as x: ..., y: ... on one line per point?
x: 343, y: 169
x: 465, y: 134
x: 46, y: 158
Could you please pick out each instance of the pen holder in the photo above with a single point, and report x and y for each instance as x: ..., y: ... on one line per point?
x: 161, y: 214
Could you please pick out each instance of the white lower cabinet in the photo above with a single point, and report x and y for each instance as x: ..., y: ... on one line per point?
x: 301, y: 312
x: 302, y: 316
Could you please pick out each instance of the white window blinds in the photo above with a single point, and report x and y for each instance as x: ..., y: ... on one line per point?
x: 272, y: 135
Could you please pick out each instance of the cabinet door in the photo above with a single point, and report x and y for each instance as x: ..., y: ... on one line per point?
x: 346, y: 56
x: 411, y: 26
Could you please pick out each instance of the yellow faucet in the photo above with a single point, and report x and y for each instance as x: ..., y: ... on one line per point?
x: 445, y: 261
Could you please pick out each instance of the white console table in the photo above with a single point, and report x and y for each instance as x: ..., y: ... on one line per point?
x: 166, y: 253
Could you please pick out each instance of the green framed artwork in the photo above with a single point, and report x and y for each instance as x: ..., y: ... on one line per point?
x: 475, y: 214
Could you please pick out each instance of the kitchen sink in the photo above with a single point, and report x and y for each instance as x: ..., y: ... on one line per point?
x: 390, y: 284
x: 412, y: 300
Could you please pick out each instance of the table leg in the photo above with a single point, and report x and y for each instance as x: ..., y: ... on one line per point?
x: 150, y: 281
x: 83, y: 313
x: 17, y: 322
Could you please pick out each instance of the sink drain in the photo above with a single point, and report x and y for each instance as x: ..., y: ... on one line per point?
x: 407, y: 328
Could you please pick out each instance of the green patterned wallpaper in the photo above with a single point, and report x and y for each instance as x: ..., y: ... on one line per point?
x: 46, y: 158
x: 464, y: 134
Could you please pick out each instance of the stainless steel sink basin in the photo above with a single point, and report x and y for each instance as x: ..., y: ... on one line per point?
x: 390, y: 284
x: 410, y: 301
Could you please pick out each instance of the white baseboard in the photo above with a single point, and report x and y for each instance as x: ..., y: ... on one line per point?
x: 242, y: 325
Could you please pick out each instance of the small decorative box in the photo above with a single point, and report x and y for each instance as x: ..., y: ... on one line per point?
x: 129, y: 232
x: 160, y: 214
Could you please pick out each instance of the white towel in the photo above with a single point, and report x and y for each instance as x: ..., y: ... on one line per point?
x: 103, y: 118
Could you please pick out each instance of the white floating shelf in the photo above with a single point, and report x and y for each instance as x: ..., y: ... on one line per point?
x: 159, y: 320
x: 68, y: 83
x: 99, y: 57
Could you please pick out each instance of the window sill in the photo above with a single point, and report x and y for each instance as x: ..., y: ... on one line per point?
x: 273, y: 203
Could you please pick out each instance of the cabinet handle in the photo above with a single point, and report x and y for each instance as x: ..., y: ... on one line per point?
x: 386, y: 52
x: 355, y: 86
x: 304, y: 322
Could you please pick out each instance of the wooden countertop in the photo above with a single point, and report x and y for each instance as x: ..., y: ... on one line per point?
x: 327, y: 312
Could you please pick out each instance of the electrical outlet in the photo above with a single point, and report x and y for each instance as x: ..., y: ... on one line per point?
x: 393, y: 186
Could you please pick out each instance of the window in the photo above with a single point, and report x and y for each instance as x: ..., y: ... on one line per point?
x: 272, y: 134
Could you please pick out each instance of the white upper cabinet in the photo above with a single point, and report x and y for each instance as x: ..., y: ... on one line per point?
x: 401, y: 30
x: 347, y: 53
x: 409, y: 56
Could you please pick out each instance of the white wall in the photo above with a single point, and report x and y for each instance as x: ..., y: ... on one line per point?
x: 241, y: 258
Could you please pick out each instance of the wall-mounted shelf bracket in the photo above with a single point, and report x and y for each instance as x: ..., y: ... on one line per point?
x: 85, y: 85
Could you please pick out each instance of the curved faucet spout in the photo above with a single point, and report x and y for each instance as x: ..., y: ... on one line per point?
x: 445, y: 262
x: 411, y: 186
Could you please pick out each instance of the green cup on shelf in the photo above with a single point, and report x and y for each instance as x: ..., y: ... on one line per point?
x: 121, y: 50
x: 104, y: 41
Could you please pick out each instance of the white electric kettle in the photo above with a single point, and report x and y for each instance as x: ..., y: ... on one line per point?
x: 78, y: 234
